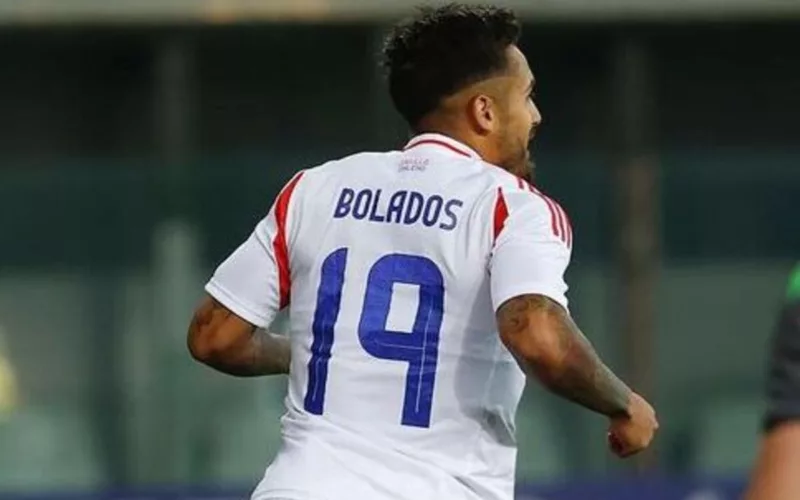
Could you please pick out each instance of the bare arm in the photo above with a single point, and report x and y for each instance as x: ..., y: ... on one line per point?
x: 549, y: 345
x: 775, y: 476
x: 227, y: 343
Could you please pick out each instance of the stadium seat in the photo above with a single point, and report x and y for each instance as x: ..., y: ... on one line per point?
x: 248, y: 436
x: 541, y: 454
x: 727, y: 435
x: 47, y: 450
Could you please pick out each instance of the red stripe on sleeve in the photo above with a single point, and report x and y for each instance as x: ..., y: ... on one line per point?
x: 554, y: 217
x: 569, y: 228
x: 523, y: 184
x: 561, y: 222
x: 564, y: 221
x: 279, y: 244
x: 500, y: 213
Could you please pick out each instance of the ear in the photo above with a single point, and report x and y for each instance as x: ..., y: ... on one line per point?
x: 484, y: 113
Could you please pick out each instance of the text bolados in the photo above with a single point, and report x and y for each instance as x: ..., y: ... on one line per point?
x: 399, y: 207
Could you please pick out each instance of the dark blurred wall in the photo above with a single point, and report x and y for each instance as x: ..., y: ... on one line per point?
x: 85, y: 188
x: 78, y: 110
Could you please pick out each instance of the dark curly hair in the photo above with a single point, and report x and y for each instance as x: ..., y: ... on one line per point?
x: 442, y: 50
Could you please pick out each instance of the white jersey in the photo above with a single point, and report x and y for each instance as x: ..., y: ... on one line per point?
x: 392, y: 265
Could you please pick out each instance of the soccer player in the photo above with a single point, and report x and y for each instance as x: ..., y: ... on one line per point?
x: 776, y: 473
x: 423, y: 285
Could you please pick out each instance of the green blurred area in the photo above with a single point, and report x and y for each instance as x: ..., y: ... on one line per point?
x: 108, y: 236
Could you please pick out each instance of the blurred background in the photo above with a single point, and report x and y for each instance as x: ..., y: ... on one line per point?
x: 141, y: 140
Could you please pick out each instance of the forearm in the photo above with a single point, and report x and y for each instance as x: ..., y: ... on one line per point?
x: 775, y: 474
x: 584, y: 379
x: 548, y: 345
x: 264, y: 354
x: 225, y: 342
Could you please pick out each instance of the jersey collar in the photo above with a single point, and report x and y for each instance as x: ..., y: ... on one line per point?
x: 443, y: 143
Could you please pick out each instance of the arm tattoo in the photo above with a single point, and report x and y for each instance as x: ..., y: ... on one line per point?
x: 248, y: 351
x: 270, y: 354
x: 573, y: 369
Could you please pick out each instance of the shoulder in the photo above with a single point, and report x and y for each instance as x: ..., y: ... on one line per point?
x: 509, y: 196
x: 519, y: 190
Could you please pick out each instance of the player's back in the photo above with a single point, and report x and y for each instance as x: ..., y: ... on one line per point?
x: 400, y: 387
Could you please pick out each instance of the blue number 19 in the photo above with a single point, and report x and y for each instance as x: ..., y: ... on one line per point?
x: 419, y: 348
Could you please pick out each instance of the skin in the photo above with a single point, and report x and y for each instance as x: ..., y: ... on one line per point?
x: 550, y: 347
x: 776, y: 473
x: 497, y: 118
x: 775, y: 476
x: 224, y: 341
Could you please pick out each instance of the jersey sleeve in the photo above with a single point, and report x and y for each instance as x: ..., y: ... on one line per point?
x: 254, y: 282
x: 531, y: 249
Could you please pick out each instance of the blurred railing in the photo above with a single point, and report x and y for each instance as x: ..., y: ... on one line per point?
x: 98, y: 282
